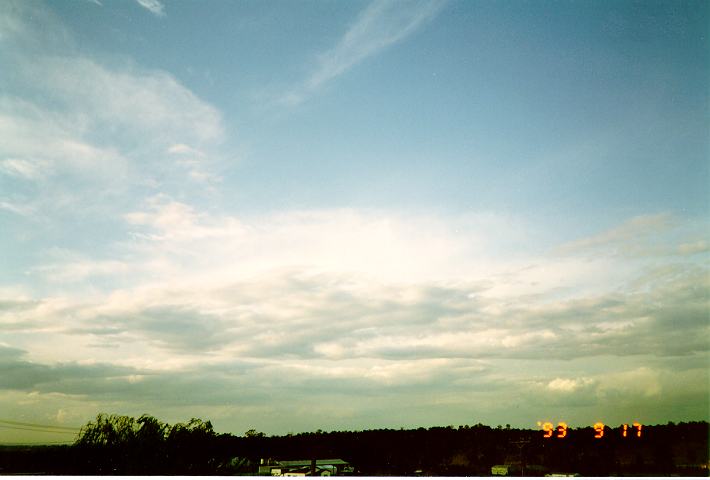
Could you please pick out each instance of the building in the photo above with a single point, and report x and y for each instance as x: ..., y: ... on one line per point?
x: 505, y: 470
x: 301, y: 468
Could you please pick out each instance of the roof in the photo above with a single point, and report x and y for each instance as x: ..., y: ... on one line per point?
x: 298, y: 463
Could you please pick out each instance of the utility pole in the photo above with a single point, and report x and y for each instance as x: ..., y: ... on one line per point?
x: 521, y: 444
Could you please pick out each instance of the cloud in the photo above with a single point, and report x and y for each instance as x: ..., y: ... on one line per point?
x: 568, y: 385
x: 359, y: 317
x: 273, y: 337
x: 644, y: 236
x: 299, y: 303
x: 274, y: 280
x: 221, y: 286
x: 19, y: 168
x: 90, y: 137
x: 691, y: 248
x: 194, y: 162
x: 643, y: 381
x: 625, y: 236
x: 328, y: 239
x: 10, y: 26
x: 129, y: 97
x: 380, y: 25
x: 176, y: 327
x: 20, y: 374
x: 153, y: 6
x: 28, y: 27
x: 23, y: 210
x: 60, y: 148
x: 80, y: 269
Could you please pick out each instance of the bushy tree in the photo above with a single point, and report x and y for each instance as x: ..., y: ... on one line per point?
x: 118, y: 444
x: 108, y: 430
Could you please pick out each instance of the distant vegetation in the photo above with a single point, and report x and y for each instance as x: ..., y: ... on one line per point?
x: 115, y: 444
x: 122, y: 445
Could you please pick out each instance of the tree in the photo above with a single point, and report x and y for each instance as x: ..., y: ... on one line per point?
x: 192, y: 447
x: 108, y: 430
x: 118, y: 444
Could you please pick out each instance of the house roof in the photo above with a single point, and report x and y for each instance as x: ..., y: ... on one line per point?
x: 298, y: 463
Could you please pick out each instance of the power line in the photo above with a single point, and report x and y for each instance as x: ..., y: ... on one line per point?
x: 29, y: 429
x: 38, y: 425
x: 28, y: 444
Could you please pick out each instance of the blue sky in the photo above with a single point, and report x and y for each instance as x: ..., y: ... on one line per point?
x: 447, y: 210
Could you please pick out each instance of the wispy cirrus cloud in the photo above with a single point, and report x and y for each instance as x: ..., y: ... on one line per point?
x: 19, y: 168
x: 632, y: 232
x: 380, y: 25
x: 153, y: 6
x: 16, y: 208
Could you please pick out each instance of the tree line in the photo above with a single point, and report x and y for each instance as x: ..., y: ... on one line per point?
x: 123, y: 445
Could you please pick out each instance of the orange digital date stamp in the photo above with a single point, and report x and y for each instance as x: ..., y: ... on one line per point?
x: 560, y: 431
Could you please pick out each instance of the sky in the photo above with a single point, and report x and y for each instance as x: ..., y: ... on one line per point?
x: 302, y: 215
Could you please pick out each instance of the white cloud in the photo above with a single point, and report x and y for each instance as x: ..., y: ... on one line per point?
x: 569, y: 385
x: 257, y: 286
x: 625, y: 237
x: 380, y: 25
x: 29, y: 28
x: 182, y: 149
x: 78, y: 270
x: 384, y: 246
x: 19, y: 168
x: 11, y: 25
x: 296, y: 328
x: 24, y: 210
x: 84, y: 112
x: 154, y: 6
x: 692, y: 248
x: 642, y: 381
x: 95, y: 132
x: 174, y: 219
x: 194, y: 162
x: 134, y: 99
x: 47, y: 148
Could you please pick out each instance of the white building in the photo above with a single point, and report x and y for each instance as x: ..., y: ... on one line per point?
x: 301, y: 468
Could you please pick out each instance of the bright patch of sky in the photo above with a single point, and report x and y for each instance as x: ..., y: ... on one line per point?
x: 343, y: 215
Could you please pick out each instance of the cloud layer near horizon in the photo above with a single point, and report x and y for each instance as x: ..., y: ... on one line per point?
x: 219, y: 311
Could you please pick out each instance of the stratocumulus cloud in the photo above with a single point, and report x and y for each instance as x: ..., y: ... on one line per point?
x: 302, y: 316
